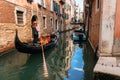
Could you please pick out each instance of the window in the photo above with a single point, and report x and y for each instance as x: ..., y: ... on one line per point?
x: 97, y: 4
x: 38, y: 1
x: 51, y: 22
x: 19, y: 17
x: 43, y: 3
x: 44, y: 22
x: 56, y: 24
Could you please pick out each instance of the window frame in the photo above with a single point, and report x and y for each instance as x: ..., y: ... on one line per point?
x: 21, y: 9
x: 51, y: 22
x: 20, y: 20
x: 43, y: 3
x: 44, y: 23
x: 97, y: 5
x: 56, y: 24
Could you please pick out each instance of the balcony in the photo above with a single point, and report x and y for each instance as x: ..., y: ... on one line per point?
x: 62, y: 1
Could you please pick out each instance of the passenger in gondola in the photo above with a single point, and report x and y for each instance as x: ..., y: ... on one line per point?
x: 58, y: 33
x: 35, y: 32
x: 44, y: 39
x: 53, y: 36
x: 48, y: 38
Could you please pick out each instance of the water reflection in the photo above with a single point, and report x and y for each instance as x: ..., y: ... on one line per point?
x: 10, y: 65
x: 67, y: 61
x: 76, y: 71
x: 21, y: 66
x: 32, y: 68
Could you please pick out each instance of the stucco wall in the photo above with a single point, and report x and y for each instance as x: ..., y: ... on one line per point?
x: 107, y: 27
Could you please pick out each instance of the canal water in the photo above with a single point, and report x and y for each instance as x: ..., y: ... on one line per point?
x: 66, y: 61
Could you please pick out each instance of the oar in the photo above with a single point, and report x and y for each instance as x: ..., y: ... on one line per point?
x: 44, y: 64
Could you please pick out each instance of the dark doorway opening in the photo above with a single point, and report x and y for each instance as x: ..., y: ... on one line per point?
x: 34, y: 18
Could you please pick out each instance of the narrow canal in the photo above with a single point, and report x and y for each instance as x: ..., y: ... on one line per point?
x: 67, y: 61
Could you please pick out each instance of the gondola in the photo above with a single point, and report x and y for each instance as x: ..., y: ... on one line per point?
x: 30, y: 47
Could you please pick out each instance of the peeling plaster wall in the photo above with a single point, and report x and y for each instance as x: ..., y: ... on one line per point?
x: 107, y: 27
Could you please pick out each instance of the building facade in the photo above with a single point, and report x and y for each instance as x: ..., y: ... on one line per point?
x: 102, y: 18
x: 20, y: 14
x: 73, y: 10
x: 69, y: 12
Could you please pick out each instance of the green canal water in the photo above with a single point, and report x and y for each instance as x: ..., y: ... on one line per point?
x: 66, y: 61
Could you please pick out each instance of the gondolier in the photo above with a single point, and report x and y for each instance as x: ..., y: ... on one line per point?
x: 35, y: 32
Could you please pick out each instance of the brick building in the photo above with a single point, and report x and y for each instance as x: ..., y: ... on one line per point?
x: 58, y: 15
x: 73, y: 7
x: 92, y: 21
x: 69, y: 12
x: 102, y: 23
x: 19, y: 14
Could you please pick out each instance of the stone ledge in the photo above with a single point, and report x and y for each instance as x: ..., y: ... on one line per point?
x: 104, y: 55
x: 107, y: 65
x: 4, y: 49
x: 115, y: 71
x: 116, y: 54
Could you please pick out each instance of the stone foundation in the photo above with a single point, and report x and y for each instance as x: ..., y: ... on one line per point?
x: 7, y: 35
x: 116, y: 47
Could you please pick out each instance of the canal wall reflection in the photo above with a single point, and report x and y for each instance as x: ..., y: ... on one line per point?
x: 76, y: 71
x: 10, y: 65
x: 72, y: 61
x: 63, y: 59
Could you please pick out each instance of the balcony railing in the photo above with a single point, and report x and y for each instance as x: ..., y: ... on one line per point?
x: 62, y: 1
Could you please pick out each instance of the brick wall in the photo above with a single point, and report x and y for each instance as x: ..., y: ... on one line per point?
x: 94, y: 26
x: 48, y: 14
x: 7, y: 12
x: 8, y: 23
x: 8, y: 26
